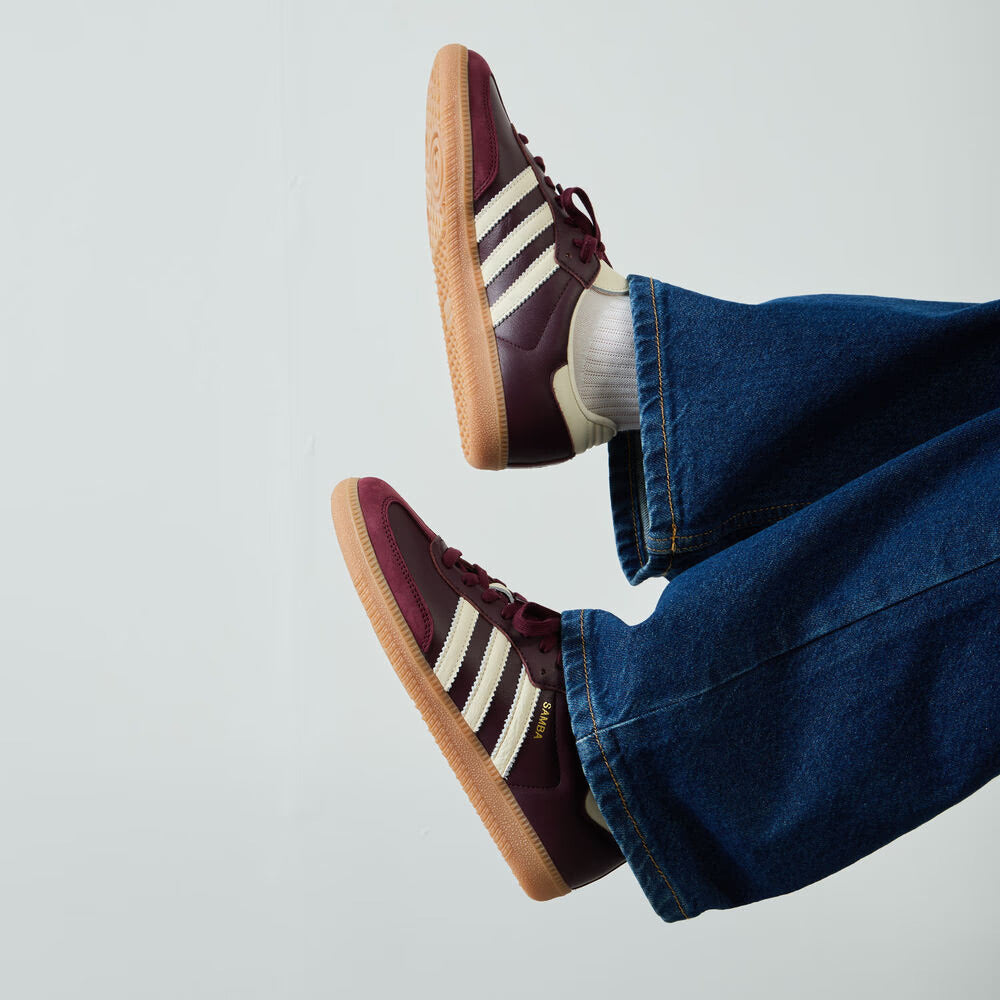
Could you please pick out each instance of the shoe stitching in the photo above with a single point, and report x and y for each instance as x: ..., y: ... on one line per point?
x: 544, y: 326
x: 508, y: 224
x: 494, y: 162
x: 407, y: 575
x: 534, y: 288
x: 495, y: 197
x: 513, y: 252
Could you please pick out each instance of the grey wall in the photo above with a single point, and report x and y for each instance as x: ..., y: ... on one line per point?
x: 216, y: 300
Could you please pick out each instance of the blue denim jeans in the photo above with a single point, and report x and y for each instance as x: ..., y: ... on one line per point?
x: 820, y: 478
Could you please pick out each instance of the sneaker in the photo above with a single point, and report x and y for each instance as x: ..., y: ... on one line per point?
x: 483, y: 667
x: 513, y: 254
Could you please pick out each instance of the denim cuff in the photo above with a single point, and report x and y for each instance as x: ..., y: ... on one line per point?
x: 748, y: 413
x: 643, y: 504
x: 607, y: 768
x: 679, y: 492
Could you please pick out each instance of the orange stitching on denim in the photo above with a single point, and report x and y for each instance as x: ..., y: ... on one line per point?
x: 732, y: 517
x: 744, y: 513
x: 618, y: 788
x: 631, y: 493
x: 755, y: 523
x: 663, y: 422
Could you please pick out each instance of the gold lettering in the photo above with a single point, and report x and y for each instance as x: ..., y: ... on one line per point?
x: 543, y: 720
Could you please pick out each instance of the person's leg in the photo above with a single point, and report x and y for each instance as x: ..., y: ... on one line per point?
x: 812, y: 692
x: 745, y: 413
x: 751, y: 412
x: 711, y: 732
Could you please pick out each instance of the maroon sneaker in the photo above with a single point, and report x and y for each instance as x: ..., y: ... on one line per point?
x: 513, y: 254
x: 483, y: 667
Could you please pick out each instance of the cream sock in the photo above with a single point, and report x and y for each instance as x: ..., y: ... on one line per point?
x: 604, y: 358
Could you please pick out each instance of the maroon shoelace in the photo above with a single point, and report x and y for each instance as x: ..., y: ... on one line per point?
x: 530, y: 619
x: 589, y: 242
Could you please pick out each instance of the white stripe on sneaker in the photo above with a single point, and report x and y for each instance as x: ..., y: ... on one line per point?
x: 516, y: 241
x: 456, y: 643
x: 537, y: 272
x: 516, y: 727
x: 485, y: 684
x: 504, y: 200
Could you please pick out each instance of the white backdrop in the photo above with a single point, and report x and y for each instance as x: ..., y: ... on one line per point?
x: 216, y: 300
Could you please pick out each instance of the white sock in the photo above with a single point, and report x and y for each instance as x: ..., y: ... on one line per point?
x: 604, y: 358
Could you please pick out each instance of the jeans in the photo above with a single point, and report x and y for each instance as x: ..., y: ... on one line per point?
x: 820, y: 478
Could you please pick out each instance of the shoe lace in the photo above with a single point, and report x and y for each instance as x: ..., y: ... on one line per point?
x: 530, y: 619
x: 589, y: 242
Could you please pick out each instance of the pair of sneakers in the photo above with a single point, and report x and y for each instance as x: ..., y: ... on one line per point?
x: 513, y: 254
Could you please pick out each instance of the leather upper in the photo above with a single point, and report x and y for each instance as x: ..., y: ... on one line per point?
x: 532, y: 341
x: 546, y: 778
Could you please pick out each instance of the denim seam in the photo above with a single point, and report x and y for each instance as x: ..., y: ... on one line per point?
x: 733, y: 517
x: 768, y: 660
x: 629, y: 472
x: 663, y: 427
x: 719, y: 534
x: 618, y: 787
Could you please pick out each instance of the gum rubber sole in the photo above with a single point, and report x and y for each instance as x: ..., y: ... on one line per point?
x: 488, y: 792
x: 451, y: 226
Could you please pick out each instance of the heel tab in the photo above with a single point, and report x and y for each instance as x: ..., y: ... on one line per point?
x: 586, y: 429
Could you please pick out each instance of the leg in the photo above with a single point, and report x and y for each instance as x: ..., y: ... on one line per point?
x: 862, y: 621
x: 744, y: 413
x: 748, y: 413
x: 807, y: 695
